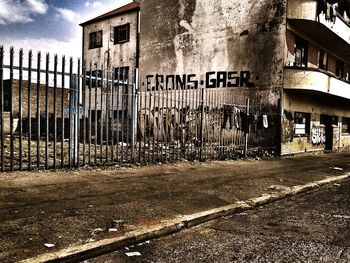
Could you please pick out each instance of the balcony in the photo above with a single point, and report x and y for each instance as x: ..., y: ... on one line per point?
x: 311, y: 79
x: 334, y: 36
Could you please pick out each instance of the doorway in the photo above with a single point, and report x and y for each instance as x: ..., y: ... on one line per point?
x: 328, y: 122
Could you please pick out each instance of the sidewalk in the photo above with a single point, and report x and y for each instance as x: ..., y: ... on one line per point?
x: 68, y: 209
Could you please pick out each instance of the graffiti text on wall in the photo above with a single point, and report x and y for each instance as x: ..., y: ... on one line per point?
x: 318, y: 136
x: 213, y: 79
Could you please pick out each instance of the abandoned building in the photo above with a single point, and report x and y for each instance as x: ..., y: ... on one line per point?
x: 13, y: 102
x: 290, y: 56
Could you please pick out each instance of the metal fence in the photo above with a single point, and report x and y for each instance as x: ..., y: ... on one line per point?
x: 59, y: 115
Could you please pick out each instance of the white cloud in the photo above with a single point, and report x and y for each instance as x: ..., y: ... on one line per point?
x: 69, y: 48
x: 68, y: 14
x: 38, y: 6
x: 93, y: 4
x: 15, y: 11
x: 96, y: 4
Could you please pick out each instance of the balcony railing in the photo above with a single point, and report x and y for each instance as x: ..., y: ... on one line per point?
x: 303, y: 13
x: 315, y: 80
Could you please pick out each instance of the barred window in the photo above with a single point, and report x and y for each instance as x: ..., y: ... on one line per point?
x: 95, y: 39
x: 121, y: 34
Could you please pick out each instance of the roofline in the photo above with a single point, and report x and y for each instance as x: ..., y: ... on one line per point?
x: 103, y: 17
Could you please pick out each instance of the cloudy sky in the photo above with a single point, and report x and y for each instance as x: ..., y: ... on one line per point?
x: 49, y: 25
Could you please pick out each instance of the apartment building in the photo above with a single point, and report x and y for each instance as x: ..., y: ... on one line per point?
x: 292, y: 56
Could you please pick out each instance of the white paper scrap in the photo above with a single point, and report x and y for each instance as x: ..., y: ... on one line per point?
x: 133, y: 254
x: 49, y: 245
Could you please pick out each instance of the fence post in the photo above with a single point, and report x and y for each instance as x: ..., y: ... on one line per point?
x: 12, y: 136
x: 133, y: 112
x: 246, y: 133
x: 73, y: 124
x: 201, y: 125
x: 2, y: 107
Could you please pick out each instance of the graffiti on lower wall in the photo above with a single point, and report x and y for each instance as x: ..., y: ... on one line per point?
x: 212, y: 79
x: 318, y: 136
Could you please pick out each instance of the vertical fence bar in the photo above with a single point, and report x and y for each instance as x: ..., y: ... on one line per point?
x: 20, y: 102
x: 71, y: 90
x: 186, y: 118
x: 127, y: 117
x: 75, y: 113
x: 172, y: 120
x: 112, y: 115
x: 160, y: 101
x: 77, y: 116
x: 55, y: 111
x: 209, y: 105
x: 133, y: 113
x: 62, y: 108
x: 84, y: 113
x: 101, y: 115
x: 107, y: 113
x: 95, y: 114
x: 89, y: 112
x: 2, y: 107
x: 139, y: 125
x: 178, y: 125
x: 38, y: 110
x: 123, y: 113
x: 145, y: 141
x: 246, y: 133
x: 183, y: 121
x: 12, y: 52
x: 166, y: 120
x: 47, y: 111
x: 30, y: 56
x: 201, y: 125
x: 153, y: 109
x: 117, y: 107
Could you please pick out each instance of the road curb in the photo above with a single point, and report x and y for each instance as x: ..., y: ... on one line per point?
x: 94, y: 249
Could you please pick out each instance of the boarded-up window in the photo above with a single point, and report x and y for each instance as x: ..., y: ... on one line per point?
x: 95, y: 39
x: 121, y: 34
x: 301, y: 123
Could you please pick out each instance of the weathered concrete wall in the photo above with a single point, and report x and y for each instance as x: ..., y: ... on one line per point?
x: 302, y: 9
x: 196, y: 37
x: 317, y: 105
x: 120, y: 55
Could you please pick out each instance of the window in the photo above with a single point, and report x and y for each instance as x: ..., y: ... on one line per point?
x: 301, y: 123
x: 301, y: 52
x: 121, y: 34
x: 95, y: 39
x: 339, y: 69
x: 93, y: 78
x: 322, y: 59
x: 347, y: 73
x: 95, y: 112
x: 345, y: 128
x: 121, y: 73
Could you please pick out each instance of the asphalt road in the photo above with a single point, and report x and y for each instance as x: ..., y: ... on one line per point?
x: 68, y: 209
x: 311, y: 227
